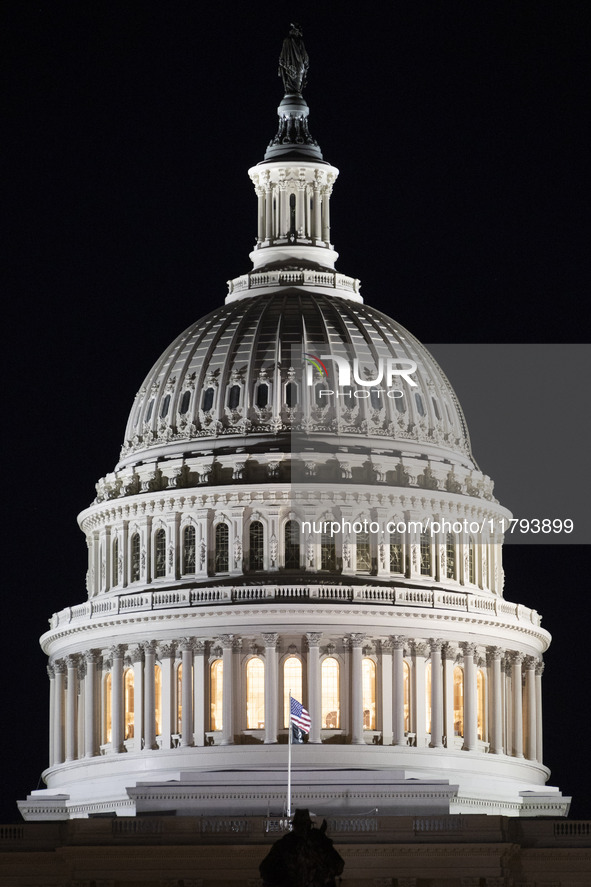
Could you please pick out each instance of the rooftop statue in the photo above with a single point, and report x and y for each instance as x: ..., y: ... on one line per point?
x: 293, y: 62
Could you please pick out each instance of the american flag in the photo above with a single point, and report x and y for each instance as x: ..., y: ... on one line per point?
x: 299, y: 716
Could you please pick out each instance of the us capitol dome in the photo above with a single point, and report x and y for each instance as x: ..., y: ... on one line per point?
x: 296, y: 509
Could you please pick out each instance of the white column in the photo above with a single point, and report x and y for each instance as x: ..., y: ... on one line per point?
x: 530, y: 690
x: 137, y: 658
x: 149, y: 695
x: 71, y: 698
x: 58, y: 736
x: 314, y: 689
x: 539, y: 735
x: 199, y: 694
x: 116, y: 653
x: 271, y: 687
x: 436, y: 694
x: 300, y: 198
x: 356, y: 641
x: 387, y: 690
x: 90, y: 745
x: 261, y: 214
x: 517, y: 706
x: 326, y: 192
x: 418, y: 653
x: 496, y: 733
x: 470, y: 699
x: 399, y: 737
x: 166, y: 654
x: 449, y: 660
x: 317, y: 214
x: 228, y: 690
x: 186, y: 646
x: 51, y: 676
x: 268, y: 213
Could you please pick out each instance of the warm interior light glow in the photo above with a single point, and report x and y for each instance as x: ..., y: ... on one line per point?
x: 406, y: 689
x: 216, y: 691
x: 158, y: 699
x: 255, y: 694
x: 331, y: 714
x: 481, y: 696
x: 292, y: 680
x: 128, y: 701
x: 458, y: 701
x: 108, y: 707
x: 369, y: 694
x: 428, y: 697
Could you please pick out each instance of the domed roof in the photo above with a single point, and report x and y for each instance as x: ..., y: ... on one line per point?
x: 261, y: 369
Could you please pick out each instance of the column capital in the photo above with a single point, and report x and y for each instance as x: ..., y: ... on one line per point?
x: 137, y: 653
x: 50, y: 671
x: 386, y: 645
x: 468, y: 648
x: 167, y: 651
x: 117, y: 651
x: 199, y: 647
x: 227, y: 641
x: 59, y: 666
x: 313, y: 638
x: 418, y: 648
x: 494, y: 653
x: 518, y: 658
x: 270, y: 638
x: 436, y: 645
x: 540, y: 667
x: 81, y: 668
x: 186, y: 644
x: 149, y: 647
x: 91, y: 656
x: 356, y: 639
x: 71, y: 662
x: 449, y: 652
x: 398, y: 642
x: 530, y: 663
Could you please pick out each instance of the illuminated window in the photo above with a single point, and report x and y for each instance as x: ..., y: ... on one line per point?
x: 481, y: 701
x: 291, y: 394
x: 108, y: 707
x: 135, y: 557
x: 406, y: 694
x: 428, y: 697
x: 185, y: 401
x: 179, y: 699
x: 128, y: 703
x: 425, y: 544
x: 115, y: 562
x: 368, y: 673
x: 189, y: 549
x: 207, y: 403
x: 450, y: 552
x: 255, y: 694
x: 256, y: 545
x: 471, y: 562
x: 363, y: 553
x: 331, y: 713
x: 292, y: 680
x: 159, y: 553
x: 328, y: 554
x: 292, y: 545
x: 158, y: 699
x: 216, y: 689
x: 458, y: 701
x: 396, y: 553
x: 222, y: 558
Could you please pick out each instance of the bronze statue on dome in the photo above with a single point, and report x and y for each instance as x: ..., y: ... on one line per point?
x: 293, y: 62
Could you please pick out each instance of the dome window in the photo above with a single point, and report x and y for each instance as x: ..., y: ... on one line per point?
x: 222, y: 546
x: 319, y: 395
x: 160, y: 554
x: 185, y: 401
x: 262, y: 396
x: 189, y: 549
x: 234, y: 397
x: 135, y: 557
x: 292, y: 545
x: 255, y: 694
x: 208, y: 396
x: 426, y: 561
x: 165, y: 406
x: 150, y: 408
x: 420, y: 404
x: 115, y: 562
x: 450, y: 552
x: 291, y: 394
x: 369, y: 694
x: 375, y: 398
x: 363, y: 553
x: 400, y: 404
x: 396, y: 553
x: 328, y: 554
x: 436, y: 409
x: 458, y: 701
x: 256, y: 543
x: 216, y: 689
x: 331, y: 705
x: 128, y: 703
x: 348, y: 397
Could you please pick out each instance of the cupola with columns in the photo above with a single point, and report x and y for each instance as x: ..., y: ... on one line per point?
x: 260, y: 536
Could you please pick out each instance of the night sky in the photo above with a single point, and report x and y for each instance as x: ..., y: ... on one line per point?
x: 461, y: 131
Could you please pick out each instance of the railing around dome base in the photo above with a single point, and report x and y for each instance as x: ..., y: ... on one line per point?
x: 257, y: 279
x: 437, y: 599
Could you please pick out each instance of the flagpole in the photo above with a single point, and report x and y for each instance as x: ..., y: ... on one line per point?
x: 289, y: 762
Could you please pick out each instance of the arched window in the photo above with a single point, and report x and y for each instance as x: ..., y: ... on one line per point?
x: 185, y: 401
x: 115, y: 562
x: 428, y: 697
x: 208, y: 396
x: 368, y: 677
x: 376, y: 398
x: 292, y: 545
x: 420, y: 404
x: 471, y: 562
x: 458, y: 701
x: 150, y: 408
x: 216, y: 689
x: 328, y: 554
x: 319, y: 395
x: 291, y: 394
x: 179, y: 698
x: 349, y: 398
x: 222, y: 553
x: 134, y: 546
x: 450, y: 556
x: 158, y: 699
x: 331, y: 708
x: 400, y: 404
x: 164, y: 406
x: 128, y: 703
x: 396, y: 553
x: 256, y: 545
x: 107, y: 733
x: 262, y: 396
x: 255, y: 694
x: 406, y: 694
x: 436, y: 409
x: 160, y: 553
x: 292, y: 680
x: 363, y: 553
x: 425, y: 545
x: 481, y: 702
x: 234, y: 397
x: 189, y: 549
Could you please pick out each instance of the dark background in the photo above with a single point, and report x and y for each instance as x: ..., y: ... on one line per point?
x: 461, y: 132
